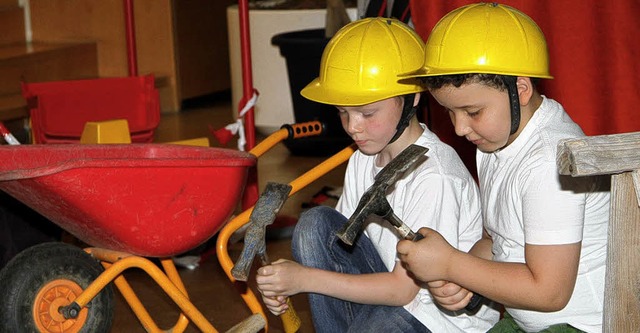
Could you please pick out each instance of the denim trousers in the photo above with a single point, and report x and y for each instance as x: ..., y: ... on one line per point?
x: 315, y: 244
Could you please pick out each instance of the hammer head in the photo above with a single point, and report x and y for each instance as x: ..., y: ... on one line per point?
x: 374, y: 201
x: 263, y: 214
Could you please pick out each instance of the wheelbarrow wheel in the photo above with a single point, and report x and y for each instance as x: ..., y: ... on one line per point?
x: 43, y: 278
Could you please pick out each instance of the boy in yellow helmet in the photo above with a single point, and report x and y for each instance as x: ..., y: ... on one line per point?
x: 364, y: 288
x: 543, y: 255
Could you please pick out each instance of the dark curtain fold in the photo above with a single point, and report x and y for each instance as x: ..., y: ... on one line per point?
x: 594, y: 52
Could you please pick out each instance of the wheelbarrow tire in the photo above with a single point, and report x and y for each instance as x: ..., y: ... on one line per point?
x: 57, y: 270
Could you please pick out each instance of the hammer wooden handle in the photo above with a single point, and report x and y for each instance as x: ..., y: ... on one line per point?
x: 290, y: 320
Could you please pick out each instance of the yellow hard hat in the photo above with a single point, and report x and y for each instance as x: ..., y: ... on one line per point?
x: 361, y: 63
x: 485, y: 38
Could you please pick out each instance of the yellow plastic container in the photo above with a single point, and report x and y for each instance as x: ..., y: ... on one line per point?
x: 108, y: 131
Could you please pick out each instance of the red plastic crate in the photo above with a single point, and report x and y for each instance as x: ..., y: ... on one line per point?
x: 60, y: 109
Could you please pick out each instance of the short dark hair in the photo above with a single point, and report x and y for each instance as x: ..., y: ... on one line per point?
x: 492, y: 80
x: 457, y: 80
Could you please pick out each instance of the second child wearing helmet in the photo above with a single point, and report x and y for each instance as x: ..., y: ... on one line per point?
x: 543, y: 256
x: 364, y: 288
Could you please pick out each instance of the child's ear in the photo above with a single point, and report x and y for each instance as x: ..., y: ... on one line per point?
x: 525, y: 89
x: 416, y: 99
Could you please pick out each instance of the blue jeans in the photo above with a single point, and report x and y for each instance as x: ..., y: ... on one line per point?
x: 315, y: 244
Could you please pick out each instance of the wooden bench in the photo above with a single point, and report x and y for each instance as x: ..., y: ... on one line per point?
x: 617, y: 155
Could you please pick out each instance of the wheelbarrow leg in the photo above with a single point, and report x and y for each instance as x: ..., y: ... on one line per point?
x: 120, y: 262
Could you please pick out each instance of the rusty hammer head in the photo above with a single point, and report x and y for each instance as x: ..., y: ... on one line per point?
x: 374, y: 201
x: 263, y: 214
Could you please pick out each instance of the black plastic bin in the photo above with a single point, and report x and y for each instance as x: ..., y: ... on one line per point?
x: 302, y: 51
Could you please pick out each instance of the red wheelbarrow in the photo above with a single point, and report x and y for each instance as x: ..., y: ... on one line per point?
x: 128, y: 202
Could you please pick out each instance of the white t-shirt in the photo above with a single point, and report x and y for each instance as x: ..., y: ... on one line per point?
x: 440, y: 194
x: 525, y: 200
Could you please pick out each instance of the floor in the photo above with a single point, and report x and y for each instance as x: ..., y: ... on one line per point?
x: 209, y: 289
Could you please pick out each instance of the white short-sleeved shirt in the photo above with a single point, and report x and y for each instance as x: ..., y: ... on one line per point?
x: 525, y: 200
x: 440, y: 194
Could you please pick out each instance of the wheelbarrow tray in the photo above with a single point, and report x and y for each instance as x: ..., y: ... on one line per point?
x: 154, y: 200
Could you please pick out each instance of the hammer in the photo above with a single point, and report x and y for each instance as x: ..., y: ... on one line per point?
x: 263, y: 214
x: 374, y: 202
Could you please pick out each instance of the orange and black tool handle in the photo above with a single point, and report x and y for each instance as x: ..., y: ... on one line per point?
x: 288, y: 131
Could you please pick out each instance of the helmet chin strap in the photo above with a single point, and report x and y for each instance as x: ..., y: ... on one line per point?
x: 514, y: 102
x: 408, y: 111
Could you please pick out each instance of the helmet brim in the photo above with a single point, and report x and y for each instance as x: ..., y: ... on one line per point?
x: 316, y: 92
x: 427, y: 72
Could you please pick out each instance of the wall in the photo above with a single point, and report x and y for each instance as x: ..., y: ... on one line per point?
x: 274, y: 107
x: 183, y: 43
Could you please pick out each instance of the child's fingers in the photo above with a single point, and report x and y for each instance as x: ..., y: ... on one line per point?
x: 265, y: 287
x: 404, y: 248
x: 450, y: 295
x: 436, y: 284
x: 277, y: 310
x: 455, y: 305
x: 265, y: 270
x: 272, y: 301
x: 424, y: 231
x: 276, y: 305
x: 267, y: 292
x: 279, y: 261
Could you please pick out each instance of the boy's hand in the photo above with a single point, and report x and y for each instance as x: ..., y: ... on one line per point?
x: 276, y: 305
x: 281, y: 278
x: 276, y: 282
x: 429, y: 258
x: 449, y: 295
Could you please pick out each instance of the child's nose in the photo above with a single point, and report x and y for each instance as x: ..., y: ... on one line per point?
x: 461, y: 125
x: 353, y: 125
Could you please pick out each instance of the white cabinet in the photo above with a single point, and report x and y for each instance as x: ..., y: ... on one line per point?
x: 269, y: 70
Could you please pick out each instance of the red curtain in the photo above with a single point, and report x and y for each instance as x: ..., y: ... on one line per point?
x: 594, y: 51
